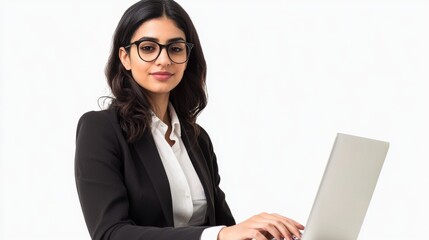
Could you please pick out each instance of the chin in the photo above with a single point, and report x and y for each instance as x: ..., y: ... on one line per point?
x: 160, y: 91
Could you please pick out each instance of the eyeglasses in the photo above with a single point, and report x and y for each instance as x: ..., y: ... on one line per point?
x: 149, y: 50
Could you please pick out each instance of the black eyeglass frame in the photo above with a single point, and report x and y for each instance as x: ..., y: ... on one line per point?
x: 162, y: 46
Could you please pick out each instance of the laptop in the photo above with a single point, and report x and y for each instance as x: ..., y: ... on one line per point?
x: 346, y: 188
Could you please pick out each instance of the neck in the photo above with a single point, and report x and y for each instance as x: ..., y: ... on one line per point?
x: 160, y: 107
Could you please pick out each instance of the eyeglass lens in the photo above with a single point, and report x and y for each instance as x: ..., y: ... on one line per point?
x: 178, y: 52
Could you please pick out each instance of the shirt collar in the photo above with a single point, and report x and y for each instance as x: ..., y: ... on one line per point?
x: 175, y: 123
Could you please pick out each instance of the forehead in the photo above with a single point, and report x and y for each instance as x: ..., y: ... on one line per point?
x: 162, y: 28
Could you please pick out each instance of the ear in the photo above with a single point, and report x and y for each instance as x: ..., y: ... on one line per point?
x: 125, y: 58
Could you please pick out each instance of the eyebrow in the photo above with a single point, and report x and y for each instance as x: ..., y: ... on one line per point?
x: 157, y: 40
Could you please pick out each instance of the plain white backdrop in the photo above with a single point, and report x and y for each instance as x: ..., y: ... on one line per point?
x: 284, y: 77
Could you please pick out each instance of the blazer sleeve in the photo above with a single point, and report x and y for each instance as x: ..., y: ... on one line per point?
x: 223, y: 213
x: 101, y: 189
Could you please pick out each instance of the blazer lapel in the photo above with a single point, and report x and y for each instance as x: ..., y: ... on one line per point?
x: 199, y: 162
x: 149, y: 156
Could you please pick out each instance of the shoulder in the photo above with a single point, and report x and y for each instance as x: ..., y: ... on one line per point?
x: 99, y: 117
x: 204, y: 139
x: 194, y: 130
x: 96, y: 119
x: 98, y: 123
x: 203, y: 133
x: 197, y: 134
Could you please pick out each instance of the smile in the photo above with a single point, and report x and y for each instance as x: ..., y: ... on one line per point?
x: 161, y: 76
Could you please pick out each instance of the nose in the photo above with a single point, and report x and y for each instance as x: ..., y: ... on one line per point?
x: 163, y: 58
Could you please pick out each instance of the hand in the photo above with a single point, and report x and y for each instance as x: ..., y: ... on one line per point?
x: 263, y: 226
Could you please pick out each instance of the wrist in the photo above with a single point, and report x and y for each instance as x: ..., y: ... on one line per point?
x: 221, y: 235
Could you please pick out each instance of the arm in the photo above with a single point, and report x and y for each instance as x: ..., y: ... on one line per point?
x: 223, y: 213
x: 101, y: 188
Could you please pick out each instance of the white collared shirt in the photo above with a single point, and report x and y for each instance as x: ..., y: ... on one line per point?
x: 189, y: 200
x: 187, y: 193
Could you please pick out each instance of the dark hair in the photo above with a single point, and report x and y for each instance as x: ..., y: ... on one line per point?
x: 129, y: 98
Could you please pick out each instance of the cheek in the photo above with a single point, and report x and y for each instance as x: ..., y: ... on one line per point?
x: 181, y: 73
x: 139, y: 71
x: 182, y: 70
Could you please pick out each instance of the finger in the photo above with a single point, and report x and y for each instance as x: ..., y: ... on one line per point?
x: 291, y: 225
x: 293, y: 229
x: 266, y: 228
x: 275, y: 226
x: 297, y: 224
x: 257, y: 235
x: 287, y: 226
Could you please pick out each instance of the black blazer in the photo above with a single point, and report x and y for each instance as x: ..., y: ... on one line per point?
x: 124, y: 190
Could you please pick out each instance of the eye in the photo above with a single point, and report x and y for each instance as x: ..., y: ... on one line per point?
x: 148, y: 47
x: 177, y: 48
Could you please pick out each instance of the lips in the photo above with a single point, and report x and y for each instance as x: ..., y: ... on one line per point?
x: 161, y: 76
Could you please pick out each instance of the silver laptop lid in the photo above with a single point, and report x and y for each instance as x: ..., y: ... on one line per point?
x: 346, y: 188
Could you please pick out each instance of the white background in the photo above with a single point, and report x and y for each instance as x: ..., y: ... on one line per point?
x: 284, y: 77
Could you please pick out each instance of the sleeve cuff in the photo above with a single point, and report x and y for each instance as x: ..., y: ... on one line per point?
x: 211, y: 233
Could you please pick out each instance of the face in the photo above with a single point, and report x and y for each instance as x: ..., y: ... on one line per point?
x: 162, y: 75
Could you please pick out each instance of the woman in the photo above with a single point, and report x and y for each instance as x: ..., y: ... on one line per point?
x: 144, y: 169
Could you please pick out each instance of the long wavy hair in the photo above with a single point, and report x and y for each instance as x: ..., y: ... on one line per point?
x: 129, y: 98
